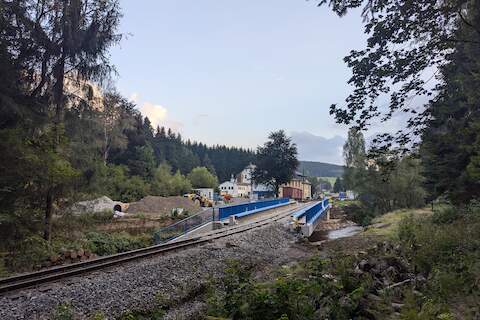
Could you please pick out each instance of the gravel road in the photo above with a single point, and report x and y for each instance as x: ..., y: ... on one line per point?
x: 134, y: 285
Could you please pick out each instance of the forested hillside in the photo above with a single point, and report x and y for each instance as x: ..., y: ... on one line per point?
x: 63, y: 138
x: 320, y: 169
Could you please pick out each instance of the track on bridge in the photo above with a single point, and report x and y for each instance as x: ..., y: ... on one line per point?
x: 57, y: 273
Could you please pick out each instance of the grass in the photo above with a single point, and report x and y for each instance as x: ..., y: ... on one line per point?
x: 345, y: 203
x: 387, y: 224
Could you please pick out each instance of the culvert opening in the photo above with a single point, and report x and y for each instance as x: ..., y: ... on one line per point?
x: 117, y: 207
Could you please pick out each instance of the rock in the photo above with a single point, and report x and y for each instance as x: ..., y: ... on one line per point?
x: 230, y: 245
x: 73, y: 254
x: 391, y: 273
x: 357, y: 270
x: 397, y: 306
x: 80, y: 252
x: 54, y: 258
x: 364, y: 265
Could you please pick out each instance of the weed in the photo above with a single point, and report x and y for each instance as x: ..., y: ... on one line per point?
x: 63, y: 312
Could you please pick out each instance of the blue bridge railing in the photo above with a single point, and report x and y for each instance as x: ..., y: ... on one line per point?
x: 225, y: 212
x: 315, y: 212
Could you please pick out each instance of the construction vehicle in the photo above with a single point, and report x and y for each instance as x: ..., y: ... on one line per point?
x: 197, y: 197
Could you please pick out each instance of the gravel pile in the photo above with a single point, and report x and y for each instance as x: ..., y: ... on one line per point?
x: 133, y: 286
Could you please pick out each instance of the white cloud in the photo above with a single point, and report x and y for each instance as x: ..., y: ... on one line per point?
x: 157, y: 114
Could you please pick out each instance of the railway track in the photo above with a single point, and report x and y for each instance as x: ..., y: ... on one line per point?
x: 53, y: 274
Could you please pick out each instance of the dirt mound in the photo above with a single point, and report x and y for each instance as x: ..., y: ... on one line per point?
x: 162, y: 205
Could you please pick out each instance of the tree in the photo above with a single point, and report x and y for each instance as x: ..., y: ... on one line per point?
x: 324, y: 184
x: 58, y: 43
x: 200, y: 177
x: 338, y: 185
x: 116, y: 116
x: 450, y: 148
x: 408, y: 42
x: 316, y: 184
x: 276, y: 161
x: 143, y: 162
x: 355, y: 158
x: 166, y: 184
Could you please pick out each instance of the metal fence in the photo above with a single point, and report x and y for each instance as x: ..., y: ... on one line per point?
x: 225, y: 212
x: 208, y: 215
x: 313, y: 213
x: 183, y: 226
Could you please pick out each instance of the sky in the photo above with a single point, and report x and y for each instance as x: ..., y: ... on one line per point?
x: 231, y: 72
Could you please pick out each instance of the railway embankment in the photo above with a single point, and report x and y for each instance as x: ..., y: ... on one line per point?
x: 137, y: 285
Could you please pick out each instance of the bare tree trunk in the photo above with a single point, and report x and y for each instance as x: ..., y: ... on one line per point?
x: 47, y: 231
x: 105, y: 141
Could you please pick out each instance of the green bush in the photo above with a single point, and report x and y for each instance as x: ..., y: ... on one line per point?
x: 28, y: 254
x: 107, y: 244
x: 305, y: 294
x: 445, y: 214
x: 445, y: 249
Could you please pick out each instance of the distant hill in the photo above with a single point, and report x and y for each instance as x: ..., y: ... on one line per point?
x: 320, y: 169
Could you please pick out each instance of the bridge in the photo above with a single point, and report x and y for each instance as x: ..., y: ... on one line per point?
x: 308, y: 218
x: 217, y: 217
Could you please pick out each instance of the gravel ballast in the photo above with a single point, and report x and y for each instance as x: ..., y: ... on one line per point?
x: 134, y: 285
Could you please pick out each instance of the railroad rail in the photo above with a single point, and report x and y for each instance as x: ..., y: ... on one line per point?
x: 57, y: 273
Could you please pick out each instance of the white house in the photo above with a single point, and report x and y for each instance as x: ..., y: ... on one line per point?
x: 235, y: 188
x: 243, y: 185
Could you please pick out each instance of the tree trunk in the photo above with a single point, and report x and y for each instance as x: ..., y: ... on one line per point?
x: 105, y: 141
x: 48, y: 216
x: 58, y: 102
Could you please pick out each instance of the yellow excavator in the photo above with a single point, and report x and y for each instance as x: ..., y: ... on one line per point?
x: 198, y: 198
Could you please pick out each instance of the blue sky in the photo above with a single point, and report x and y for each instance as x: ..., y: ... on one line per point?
x: 230, y: 72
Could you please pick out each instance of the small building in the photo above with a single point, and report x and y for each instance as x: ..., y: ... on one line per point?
x: 235, y: 188
x: 242, y: 185
x: 299, y: 188
x: 227, y: 187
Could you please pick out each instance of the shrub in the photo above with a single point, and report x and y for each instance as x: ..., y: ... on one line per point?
x: 445, y: 214
x: 108, y: 244
x: 63, y: 312
x: 29, y: 253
